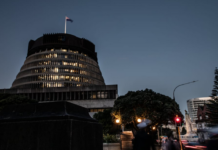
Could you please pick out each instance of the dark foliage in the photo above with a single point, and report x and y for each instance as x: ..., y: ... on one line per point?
x: 212, y: 108
x: 183, y: 131
x: 160, y: 109
x: 215, y: 86
x: 105, y: 119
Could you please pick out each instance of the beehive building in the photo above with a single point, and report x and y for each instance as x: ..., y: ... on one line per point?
x: 62, y: 67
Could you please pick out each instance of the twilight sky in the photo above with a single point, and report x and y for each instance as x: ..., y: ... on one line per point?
x: 155, y: 44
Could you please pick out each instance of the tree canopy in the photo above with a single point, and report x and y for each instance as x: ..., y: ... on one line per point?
x: 212, y: 110
x: 105, y: 119
x: 160, y: 109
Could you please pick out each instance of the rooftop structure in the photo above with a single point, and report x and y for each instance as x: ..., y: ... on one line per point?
x: 59, y: 60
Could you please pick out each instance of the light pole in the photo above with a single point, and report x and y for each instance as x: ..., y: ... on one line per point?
x: 181, y: 85
x: 178, y: 120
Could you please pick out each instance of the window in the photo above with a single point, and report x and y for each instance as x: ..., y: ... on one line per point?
x: 67, y: 77
x: 62, y: 77
x: 200, y: 117
x: 99, y: 94
x: 65, y: 63
x: 93, y: 95
x: 64, y: 50
x: 55, y: 69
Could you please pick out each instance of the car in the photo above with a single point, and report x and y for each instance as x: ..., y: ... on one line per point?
x: 194, y: 145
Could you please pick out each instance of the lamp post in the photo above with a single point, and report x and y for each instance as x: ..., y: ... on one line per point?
x: 181, y: 85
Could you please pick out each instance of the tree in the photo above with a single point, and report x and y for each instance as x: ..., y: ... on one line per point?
x: 105, y: 119
x: 9, y: 99
x: 212, y: 108
x: 160, y: 109
x: 215, y: 86
x: 183, y: 131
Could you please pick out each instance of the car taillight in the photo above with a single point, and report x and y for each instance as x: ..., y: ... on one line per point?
x: 202, y: 146
x: 190, y: 146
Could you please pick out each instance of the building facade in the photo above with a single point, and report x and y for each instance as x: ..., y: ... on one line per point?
x: 63, y: 67
x: 202, y: 117
x: 202, y: 122
x: 193, y: 104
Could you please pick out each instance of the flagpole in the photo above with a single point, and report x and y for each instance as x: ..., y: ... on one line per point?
x: 65, y: 26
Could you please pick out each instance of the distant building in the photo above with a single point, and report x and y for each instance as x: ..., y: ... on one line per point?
x: 202, y: 122
x: 63, y: 67
x: 202, y: 116
x: 193, y: 106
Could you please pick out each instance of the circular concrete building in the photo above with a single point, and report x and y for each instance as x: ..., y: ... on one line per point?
x: 59, y: 60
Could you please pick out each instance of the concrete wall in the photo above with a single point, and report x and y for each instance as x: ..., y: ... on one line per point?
x: 103, y: 103
x: 111, y: 146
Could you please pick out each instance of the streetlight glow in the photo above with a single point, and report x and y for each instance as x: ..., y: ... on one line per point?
x: 153, y: 128
x: 139, y: 120
x: 117, y: 120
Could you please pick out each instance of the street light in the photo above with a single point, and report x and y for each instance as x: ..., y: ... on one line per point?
x: 139, y: 120
x: 118, y: 122
x: 181, y: 85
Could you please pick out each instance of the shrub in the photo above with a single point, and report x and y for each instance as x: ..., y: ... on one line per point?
x: 110, y: 138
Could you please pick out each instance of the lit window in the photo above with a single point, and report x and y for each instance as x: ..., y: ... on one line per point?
x: 83, y: 54
x: 65, y: 56
x: 65, y: 63
x: 55, y: 55
x: 64, y: 50
x: 56, y: 70
x: 60, y: 84
x: 70, y: 51
x: 62, y: 77
x: 52, y: 49
x: 67, y: 70
x: 75, y: 52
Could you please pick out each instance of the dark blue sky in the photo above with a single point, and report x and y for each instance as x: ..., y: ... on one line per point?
x: 155, y: 44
